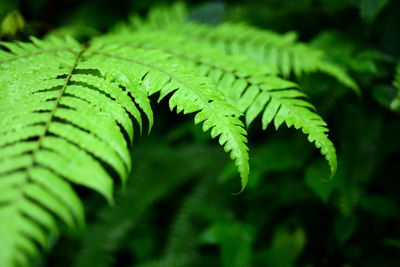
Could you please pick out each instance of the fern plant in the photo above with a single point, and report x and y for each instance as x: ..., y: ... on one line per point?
x: 69, y: 112
x: 281, y: 51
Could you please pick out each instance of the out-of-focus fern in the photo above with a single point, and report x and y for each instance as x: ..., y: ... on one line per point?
x: 286, y: 247
x: 182, y: 243
x: 175, y: 261
x: 182, y: 238
x: 395, y: 105
x: 370, y: 9
x: 161, y: 17
x: 235, y: 241
x: 360, y: 162
x: 143, y: 189
x: 11, y: 24
x: 397, y: 78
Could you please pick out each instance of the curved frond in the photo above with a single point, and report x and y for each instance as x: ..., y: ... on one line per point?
x: 188, y: 92
x: 60, y: 125
x: 286, y: 104
x: 251, y: 87
x: 68, y: 116
x: 282, y: 51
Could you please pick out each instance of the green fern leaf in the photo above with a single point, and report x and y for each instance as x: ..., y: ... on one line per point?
x: 56, y: 127
x: 247, y: 85
x: 68, y: 112
x: 267, y: 47
x: 285, y: 104
x: 159, y: 72
x: 281, y: 51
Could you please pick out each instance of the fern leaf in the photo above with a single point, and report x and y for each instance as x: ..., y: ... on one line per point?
x: 267, y: 47
x: 279, y: 50
x: 247, y: 85
x: 59, y: 126
x: 159, y: 72
x: 286, y: 105
x: 68, y: 112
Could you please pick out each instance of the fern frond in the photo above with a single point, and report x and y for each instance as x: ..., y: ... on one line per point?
x: 58, y: 126
x: 251, y: 87
x: 282, y: 51
x: 159, y: 72
x: 286, y: 104
x: 68, y: 111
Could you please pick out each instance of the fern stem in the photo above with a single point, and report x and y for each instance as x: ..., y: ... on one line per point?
x: 56, y: 104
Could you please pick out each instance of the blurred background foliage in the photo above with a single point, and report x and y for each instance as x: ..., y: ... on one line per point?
x: 177, y: 209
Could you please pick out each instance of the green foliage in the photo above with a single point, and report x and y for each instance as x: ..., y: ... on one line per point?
x: 252, y: 88
x: 12, y: 23
x: 397, y: 78
x: 370, y: 9
x: 73, y: 106
x: 79, y: 102
x: 282, y: 52
x: 286, y: 247
x: 395, y: 105
x: 114, y: 223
